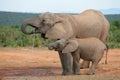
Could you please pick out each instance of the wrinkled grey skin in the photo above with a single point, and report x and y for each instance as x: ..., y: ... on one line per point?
x: 59, y: 46
x: 90, y: 23
x: 89, y: 49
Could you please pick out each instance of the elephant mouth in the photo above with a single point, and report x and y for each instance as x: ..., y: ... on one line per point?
x: 44, y: 31
x: 37, y: 30
x: 43, y: 35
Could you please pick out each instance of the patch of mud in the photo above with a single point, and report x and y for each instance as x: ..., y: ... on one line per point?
x: 30, y: 72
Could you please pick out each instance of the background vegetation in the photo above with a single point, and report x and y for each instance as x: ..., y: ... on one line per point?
x: 11, y: 35
x: 16, y: 19
x: 114, y: 35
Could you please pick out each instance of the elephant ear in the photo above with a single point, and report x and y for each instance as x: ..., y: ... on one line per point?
x: 71, y: 46
x: 57, y: 19
x: 61, y: 29
x: 56, y: 32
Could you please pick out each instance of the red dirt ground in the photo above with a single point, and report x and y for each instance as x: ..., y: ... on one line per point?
x: 30, y: 62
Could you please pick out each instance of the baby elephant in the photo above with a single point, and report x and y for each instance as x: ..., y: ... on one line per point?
x: 89, y: 49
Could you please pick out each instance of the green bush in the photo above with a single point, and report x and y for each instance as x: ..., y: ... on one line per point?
x: 13, y: 37
x: 114, y: 36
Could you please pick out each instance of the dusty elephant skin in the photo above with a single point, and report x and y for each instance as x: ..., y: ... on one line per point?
x: 89, y: 49
x: 90, y: 23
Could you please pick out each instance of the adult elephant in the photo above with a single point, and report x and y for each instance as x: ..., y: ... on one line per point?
x: 90, y: 23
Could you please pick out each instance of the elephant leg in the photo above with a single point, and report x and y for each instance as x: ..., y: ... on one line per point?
x: 92, y: 68
x: 67, y: 63
x: 84, y: 64
x: 76, y: 65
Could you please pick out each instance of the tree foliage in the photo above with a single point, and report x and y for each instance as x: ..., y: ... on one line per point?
x: 114, y: 36
x: 13, y: 18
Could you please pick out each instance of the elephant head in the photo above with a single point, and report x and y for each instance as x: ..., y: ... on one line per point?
x: 49, y: 25
x: 66, y: 46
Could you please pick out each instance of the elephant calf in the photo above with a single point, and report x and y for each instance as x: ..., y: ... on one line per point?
x: 89, y: 49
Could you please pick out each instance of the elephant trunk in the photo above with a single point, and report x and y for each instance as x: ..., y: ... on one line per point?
x: 51, y: 46
x: 24, y: 27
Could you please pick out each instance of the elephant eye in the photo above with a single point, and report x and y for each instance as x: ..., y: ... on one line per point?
x: 45, y: 19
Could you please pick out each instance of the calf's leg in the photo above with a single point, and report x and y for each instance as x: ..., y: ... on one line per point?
x: 67, y: 63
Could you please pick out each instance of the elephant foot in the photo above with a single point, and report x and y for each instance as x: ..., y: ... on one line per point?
x: 90, y: 73
x: 76, y: 73
x: 67, y: 73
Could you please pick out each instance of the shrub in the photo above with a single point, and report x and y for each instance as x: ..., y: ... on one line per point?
x: 114, y: 36
x: 12, y: 36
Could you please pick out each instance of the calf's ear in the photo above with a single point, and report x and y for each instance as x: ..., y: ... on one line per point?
x: 71, y: 46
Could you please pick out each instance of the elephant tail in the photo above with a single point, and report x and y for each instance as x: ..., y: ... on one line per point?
x: 106, y: 49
